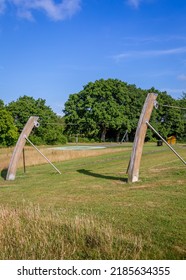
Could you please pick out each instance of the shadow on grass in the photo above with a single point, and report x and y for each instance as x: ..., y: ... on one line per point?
x: 3, y: 173
x: 90, y: 173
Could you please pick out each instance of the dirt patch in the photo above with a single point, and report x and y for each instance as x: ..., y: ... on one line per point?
x: 180, y: 250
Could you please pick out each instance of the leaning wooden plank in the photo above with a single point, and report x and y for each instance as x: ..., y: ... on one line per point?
x: 32, y: 121
x: 134, y: 164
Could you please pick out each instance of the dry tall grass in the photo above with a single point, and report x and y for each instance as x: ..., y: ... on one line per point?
x: 27, y: 233
x: 5, y: 155
x: 34, y: 158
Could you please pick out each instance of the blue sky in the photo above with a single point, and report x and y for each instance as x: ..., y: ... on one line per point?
x: 50, y: 49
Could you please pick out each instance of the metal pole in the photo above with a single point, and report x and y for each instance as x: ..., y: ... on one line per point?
x: 43, y: 155
x: 122, y: 140
x: 24, y: 164
x: 166, y: 142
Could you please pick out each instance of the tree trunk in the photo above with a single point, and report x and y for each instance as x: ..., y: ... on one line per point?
x: 103, y: 134
x: 117, y: 136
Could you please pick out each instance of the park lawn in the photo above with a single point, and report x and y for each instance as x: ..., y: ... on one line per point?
x: 91, y: 212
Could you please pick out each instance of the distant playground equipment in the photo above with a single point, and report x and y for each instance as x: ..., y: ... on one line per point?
x: 134, y: 163
x: 125, y: 137
x: 19, y: 148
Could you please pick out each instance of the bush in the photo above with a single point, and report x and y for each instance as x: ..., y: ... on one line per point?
x: 55, y: 140
x: 36, y: 140
x: 74, y: 139
x: 62, y: 139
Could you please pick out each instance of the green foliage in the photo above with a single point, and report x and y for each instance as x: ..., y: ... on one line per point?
x: 50, y: 130
x: 102, y: 106
x: 1, y: 104
x: 110, y: 107
x: 182, y: 104
x: 80, y: 139
x: 53, y: 136
x: 102, y: 111
x: 8, y: 131
x: 167, y: 119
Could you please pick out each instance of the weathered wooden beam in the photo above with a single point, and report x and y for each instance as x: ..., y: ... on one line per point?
x: 33, y: 121
x: 134, y: 164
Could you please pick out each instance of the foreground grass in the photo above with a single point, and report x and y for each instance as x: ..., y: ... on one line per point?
x: 90, y: 212
x: 29, y: 234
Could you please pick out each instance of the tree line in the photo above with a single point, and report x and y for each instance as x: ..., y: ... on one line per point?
x: 102, y: 111
x: 14, y: 116
x: 106, y: 109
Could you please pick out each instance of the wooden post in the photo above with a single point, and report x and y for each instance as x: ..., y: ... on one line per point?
x: 24, y: 162
x: 19, y: 147
x: 134, y: 164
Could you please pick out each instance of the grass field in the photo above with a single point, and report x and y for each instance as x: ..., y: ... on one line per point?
x: 90, y: 211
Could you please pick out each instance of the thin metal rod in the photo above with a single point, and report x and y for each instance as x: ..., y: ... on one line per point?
x: 166, y: 142
x: 42, y: 155
x: 53, y: 123
x: 176, y: 107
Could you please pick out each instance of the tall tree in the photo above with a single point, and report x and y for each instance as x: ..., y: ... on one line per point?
x: 167, y: 119
x: 1, y: 104
x: 102, y: 106
x: 49, y: 131
x: 8, y: 131
x: 182, y: 104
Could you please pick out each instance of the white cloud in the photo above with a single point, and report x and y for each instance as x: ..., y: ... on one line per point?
x: 182, y: 77
x: 134, y: 3
x: 151, y: 53
x: 2, y: 6
x: 56, y: 11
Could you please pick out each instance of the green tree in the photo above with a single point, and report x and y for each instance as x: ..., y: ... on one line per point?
x: 182, y: 104
x: 8, y: 131
x: 50, y: 130
x: 103, y: 106
x: 167, y: 119
x: 1, y: 104
x: 110, y: 107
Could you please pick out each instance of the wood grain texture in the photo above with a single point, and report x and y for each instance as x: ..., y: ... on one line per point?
x: 134, y: 164
x: 32, y: 121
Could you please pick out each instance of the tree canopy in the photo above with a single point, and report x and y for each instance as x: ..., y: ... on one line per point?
x: 1, y: 104
x: 103, y: 110
x: 103, y: 106
x: 110, y: 107
x: 8, y: 130
x: 50, y: 130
